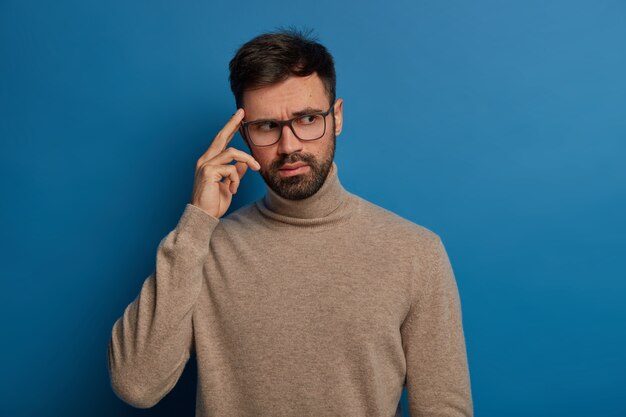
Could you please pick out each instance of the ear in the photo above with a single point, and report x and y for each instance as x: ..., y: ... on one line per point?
x: 338, y: 116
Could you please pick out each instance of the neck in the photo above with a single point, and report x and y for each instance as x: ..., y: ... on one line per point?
x: 330, y: 204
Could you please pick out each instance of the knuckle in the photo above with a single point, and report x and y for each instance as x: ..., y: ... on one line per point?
x: 205, y: 170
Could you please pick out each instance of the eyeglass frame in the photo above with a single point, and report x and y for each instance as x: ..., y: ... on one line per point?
x: 288, y: 122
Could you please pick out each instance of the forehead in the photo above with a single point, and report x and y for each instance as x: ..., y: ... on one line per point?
x: 282, y: 99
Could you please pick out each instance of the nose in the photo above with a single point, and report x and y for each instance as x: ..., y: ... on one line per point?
x: 288, y: 142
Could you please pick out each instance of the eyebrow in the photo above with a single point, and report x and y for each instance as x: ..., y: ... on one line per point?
x: 304, y: 111
x: 307, y: 110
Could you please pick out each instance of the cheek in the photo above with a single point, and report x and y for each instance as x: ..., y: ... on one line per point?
x: 264, y: 158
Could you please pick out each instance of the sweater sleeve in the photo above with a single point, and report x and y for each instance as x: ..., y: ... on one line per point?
x: 437, y: 373
x: 152, y: 341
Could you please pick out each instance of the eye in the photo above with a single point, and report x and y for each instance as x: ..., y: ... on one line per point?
x: 308, y: 119
x: 265, y: 126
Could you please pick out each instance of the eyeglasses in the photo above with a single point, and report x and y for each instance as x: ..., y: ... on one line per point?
x: 310, y: 126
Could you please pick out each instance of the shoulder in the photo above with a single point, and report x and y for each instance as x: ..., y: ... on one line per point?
x: 236, y: 230
x: 393, y: 226
x: 240, y: 219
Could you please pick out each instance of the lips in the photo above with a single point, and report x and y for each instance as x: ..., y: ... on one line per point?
x: 293, y: 166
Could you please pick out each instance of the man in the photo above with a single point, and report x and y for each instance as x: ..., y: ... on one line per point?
x: 308, y: 302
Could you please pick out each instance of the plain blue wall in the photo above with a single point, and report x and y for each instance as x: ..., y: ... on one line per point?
x: 499, y: 125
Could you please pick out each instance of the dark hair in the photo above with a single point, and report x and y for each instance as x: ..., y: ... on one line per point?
x: 272, y: 57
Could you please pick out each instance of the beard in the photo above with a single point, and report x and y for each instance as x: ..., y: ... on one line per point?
x: 301, y: 186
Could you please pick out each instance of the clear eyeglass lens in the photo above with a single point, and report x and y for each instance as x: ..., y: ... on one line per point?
x: 308, y: 127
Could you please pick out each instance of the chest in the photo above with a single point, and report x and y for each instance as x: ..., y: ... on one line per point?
x: 314, y: 292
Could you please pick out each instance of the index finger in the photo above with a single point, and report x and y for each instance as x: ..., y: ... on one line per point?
x: 224, y: 136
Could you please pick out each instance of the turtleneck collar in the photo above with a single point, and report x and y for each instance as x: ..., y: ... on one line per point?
x: 330, y: 204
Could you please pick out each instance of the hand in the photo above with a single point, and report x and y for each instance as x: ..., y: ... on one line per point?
x: 210, y: 193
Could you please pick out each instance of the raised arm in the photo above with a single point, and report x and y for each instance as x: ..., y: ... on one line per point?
x: 437, y: 379
x: 151, y: 343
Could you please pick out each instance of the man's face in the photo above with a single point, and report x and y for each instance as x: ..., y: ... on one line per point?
x: 283, y: 101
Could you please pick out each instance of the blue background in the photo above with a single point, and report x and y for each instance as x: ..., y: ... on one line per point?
x: 499, y: 125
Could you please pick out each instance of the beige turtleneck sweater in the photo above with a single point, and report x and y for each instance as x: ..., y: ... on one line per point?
x: 325, y: 306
